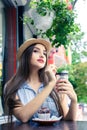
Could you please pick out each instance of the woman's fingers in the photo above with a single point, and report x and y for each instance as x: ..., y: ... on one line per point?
x: 50, y: 73
x: 63, y: 86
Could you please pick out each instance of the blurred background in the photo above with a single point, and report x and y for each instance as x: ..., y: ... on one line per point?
x: 19, y: 21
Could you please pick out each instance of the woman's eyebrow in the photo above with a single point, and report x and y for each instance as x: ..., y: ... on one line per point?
x: 39, y: 49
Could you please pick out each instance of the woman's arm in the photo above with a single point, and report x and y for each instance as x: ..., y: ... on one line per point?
x: 25, y: 112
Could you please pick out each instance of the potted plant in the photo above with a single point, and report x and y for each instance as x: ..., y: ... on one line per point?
x: 63, y: 29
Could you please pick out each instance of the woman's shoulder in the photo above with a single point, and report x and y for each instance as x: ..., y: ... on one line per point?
x: 24, y: 86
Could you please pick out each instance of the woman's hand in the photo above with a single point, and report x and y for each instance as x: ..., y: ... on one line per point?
x: 65, y: 90
x: 51, y: 71
x: 63, y: 86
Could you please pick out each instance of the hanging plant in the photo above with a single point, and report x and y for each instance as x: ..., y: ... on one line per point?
x: 63, y: 29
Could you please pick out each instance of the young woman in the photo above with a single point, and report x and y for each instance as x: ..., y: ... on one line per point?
x: 35, y: 85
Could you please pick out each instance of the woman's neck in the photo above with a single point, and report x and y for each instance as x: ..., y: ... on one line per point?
x: 34, y: 76
x: 34, y: 81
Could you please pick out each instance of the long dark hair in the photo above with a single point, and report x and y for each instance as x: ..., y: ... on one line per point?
x: 22, y: 74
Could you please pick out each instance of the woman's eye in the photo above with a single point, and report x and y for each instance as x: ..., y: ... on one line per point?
x: 35, y: 50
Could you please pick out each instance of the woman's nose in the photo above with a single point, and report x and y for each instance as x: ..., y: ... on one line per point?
x: 41, y: 55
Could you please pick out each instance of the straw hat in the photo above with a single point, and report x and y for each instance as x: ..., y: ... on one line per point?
x: 30, y: 42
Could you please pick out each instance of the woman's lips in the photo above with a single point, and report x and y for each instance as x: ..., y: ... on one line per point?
x: 40, y: 60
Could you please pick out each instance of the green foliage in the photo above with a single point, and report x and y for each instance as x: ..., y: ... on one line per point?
x: 63, y: 67
x: 63, y: 30
x: 80, y: 74
x: 84, y: 53
x: 75, y: 57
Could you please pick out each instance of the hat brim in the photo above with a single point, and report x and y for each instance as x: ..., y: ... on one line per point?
x: 30, y: 42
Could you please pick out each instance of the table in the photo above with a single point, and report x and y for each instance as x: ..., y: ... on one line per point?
x: 61, y: 125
